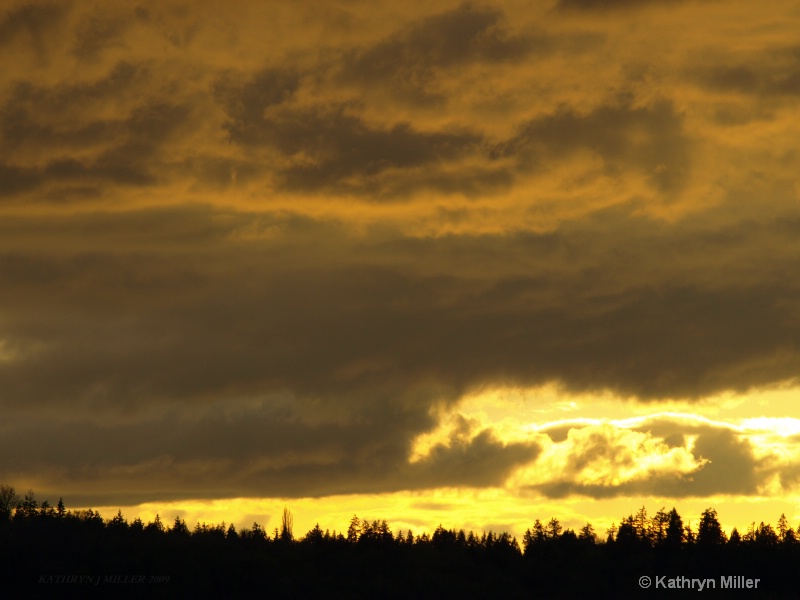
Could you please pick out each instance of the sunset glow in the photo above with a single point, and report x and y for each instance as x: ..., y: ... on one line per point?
x: 469, y: 264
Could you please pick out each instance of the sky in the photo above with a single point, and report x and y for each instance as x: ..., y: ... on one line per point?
x: 460, y: 263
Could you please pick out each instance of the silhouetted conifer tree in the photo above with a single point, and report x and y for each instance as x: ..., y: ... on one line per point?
x: 675, y: 532
x: 735, y: 538
x: 9, y: 501
x: 155, y: 526
x: 657, y: 528
x: 640, y: 524
x: 587, y: 534
x: 258, y: 533
x: 553, y: 529
x: 688, y: 534
x: 179, y: 527
x: 354, y: 530
x: 611, y: 533
x: 28, y: 507
x: 709, y: 530
x: 765, y: 535
x: 315, y: 536
x: 627, y: 534
x: 118, y: 523
x: 783, y: 527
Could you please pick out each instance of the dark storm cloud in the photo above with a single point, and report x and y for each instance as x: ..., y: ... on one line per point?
x: 260, y: 450
x: 339, y: 143
x: 245, y: 101
x: 331, y: 147
x: 62, y: 173
x: 409, y: 61
x: 30, y: 116
x: 580, y: 328
x: 305, y: 308
x: 14, y: 180
x: 96, y: 34
x: 186, y: 318
x: 648, y: 139
x: 345, y: 146
x: 119, y: 150
x: 770, y: 74
x: 35, y: 20
x: 328, y: 145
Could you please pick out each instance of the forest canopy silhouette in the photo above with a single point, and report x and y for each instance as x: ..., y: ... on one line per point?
x: 79, y: 551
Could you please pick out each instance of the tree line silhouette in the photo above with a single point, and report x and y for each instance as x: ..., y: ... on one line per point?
x: 48, y: 551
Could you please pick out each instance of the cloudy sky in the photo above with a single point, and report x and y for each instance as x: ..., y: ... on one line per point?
x: 468, y: 263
